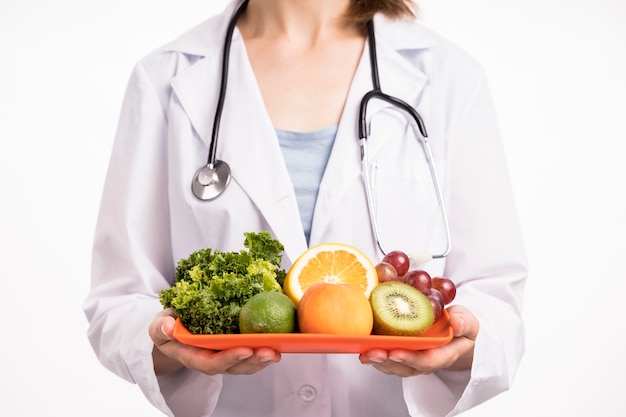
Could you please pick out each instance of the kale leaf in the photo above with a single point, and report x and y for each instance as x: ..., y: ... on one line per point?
x: 211, y: 286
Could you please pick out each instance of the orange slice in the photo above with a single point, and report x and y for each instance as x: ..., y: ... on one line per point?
x: 330, y: 262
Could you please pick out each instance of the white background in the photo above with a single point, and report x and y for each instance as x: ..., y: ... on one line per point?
x: 557, y: 70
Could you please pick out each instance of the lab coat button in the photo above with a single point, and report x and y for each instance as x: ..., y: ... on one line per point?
x: 307, y: 393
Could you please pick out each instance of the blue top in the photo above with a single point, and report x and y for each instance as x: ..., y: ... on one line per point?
x: 306, y: 155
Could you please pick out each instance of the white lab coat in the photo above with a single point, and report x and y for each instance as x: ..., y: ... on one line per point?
x: 149, y: 219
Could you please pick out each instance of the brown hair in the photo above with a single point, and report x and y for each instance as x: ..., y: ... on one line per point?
x: 361, y: 11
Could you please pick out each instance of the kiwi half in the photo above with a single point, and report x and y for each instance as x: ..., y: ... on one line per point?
x: 400, y: 310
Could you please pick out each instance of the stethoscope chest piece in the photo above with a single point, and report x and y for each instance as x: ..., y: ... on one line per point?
x: 211, y: 180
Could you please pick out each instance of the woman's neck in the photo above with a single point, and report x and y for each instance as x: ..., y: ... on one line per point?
x: 304, y: 22
x: 304, y: 54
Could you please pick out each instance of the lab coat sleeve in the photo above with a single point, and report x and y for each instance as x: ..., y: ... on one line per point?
x: 488, y: 262
x: 132, y: 256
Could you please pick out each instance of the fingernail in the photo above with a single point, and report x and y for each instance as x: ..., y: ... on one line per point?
x: 376, y: 360
x: 244, y: 356
x: 461, y: 325
x: 163, y: 331
x: 265, y: 359
x: 396, y: 359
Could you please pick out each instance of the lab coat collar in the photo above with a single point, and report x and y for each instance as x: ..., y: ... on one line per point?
x: 402, y: 34
x: 200, y: 40
x: 247, y: 139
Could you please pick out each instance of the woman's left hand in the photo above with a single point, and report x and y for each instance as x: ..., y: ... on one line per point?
x: 456, y: 355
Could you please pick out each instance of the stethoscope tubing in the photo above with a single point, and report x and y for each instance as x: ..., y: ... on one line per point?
x: 377, y: 93
x: 224, y: 83
x: 213, y: 178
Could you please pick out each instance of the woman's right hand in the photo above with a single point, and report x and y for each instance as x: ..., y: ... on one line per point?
x: 169, y: 355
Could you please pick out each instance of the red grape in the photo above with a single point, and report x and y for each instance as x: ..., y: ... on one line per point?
x: 447, y: 288
x: 435, y: 294
x: 386, y: 272
x: 437, y: 307
x: 419, y: 279
x: 436, y: 300
x: 399, y: 260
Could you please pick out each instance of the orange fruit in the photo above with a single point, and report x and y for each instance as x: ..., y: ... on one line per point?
x: 335, y: 263
x: 335, y: 309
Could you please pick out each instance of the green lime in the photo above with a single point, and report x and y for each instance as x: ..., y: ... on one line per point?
x: 268, y: 312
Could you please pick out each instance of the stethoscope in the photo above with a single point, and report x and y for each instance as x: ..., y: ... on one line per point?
x: 212, y: 179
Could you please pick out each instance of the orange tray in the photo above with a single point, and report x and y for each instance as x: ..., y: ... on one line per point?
x: 438, y: 334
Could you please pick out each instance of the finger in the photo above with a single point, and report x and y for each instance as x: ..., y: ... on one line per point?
x: 373, y: 356
x: 268, y: 355
x: 243, y: 361
x: 401, y: 362
x: 382, y: 361
x: 463, y: 323
x: 261, y: 359
x: 396, y: 366
x: 167, y: 328
x: 162, y: 327
x: 423, y: 362
x: 207, y: 361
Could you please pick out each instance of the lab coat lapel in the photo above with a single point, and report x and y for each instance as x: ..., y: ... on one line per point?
x: 247, y: 140
x: 257, y: 163
x: 399, y: 79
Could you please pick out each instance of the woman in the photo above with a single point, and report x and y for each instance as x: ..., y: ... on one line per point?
x: 298, y: 71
